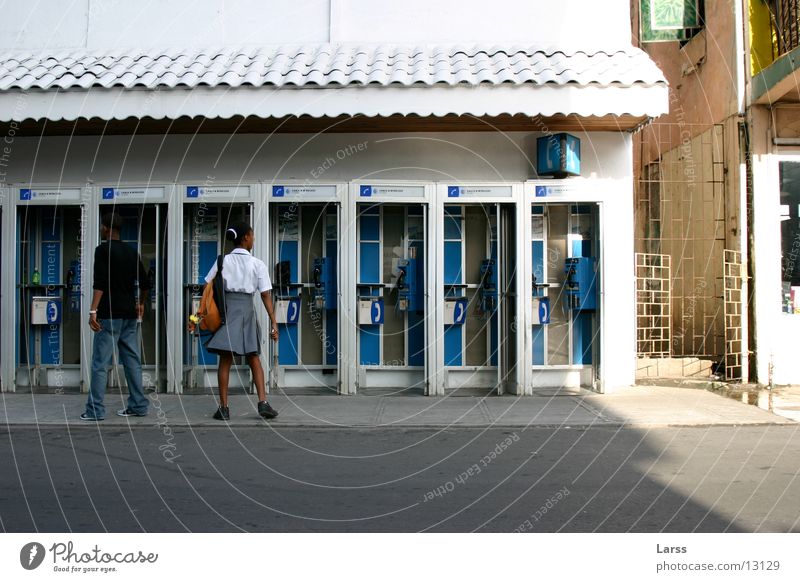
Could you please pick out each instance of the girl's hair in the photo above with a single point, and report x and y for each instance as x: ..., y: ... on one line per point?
x: 237, y: 231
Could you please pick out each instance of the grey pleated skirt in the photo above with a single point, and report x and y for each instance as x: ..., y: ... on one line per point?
x: 240, y: 334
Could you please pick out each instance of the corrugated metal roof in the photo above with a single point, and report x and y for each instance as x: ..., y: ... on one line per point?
x: 331, y: 65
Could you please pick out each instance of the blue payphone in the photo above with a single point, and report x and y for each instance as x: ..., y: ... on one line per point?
x: 74, y: 286
x: 580, y: 289
x: 409, y: 292
x: 488, y: 288
x: 323, y: 281
x: 580, y: 296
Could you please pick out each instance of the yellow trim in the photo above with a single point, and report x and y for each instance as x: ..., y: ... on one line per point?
x: 762, y: 41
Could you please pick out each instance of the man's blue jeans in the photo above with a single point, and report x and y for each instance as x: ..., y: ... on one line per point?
x: 123, y: 333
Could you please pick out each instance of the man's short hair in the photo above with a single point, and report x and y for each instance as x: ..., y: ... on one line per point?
x: 112, y: 221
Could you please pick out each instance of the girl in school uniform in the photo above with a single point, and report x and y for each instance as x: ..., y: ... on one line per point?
x: 243, y: 276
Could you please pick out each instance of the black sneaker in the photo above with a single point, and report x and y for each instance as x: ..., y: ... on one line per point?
x: 129, y: 412
x: 265, y: 410
x: 222, y: 413
x: 89, y: 418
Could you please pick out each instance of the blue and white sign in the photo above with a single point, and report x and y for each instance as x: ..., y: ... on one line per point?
x: 542, y: 191
x: 124, y: 194
x: 541, y: 310
x: 49, y: 196
x: 479, y: 191
x: 370, y: 311
x: 293, y: 311
x: 558, y: 155
x: 46, y: 310
x: 54, y: 311
x: 410, y: 191
x: 308, y: 191
x: 287, y: 311
x: 227, y: 193
x: 377, y: 312
x: 455, y: 311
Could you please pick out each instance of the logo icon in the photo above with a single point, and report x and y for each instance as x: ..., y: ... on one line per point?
x: 108, y: 193
x: 453, y: 191
x: 31, y: 555
x: 366, y: 190
x: 377, y: 311
x: 277, y: 191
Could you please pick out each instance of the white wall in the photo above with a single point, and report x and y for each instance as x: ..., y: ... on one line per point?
x: 249, y: 158
x: 776, y: 332
x: 537, y: 22
x: 98, y: 24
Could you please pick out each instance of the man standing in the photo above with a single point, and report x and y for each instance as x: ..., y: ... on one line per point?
x: 120, y: 290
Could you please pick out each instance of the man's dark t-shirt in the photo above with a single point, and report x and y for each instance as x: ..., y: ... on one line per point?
x: 116, y: 268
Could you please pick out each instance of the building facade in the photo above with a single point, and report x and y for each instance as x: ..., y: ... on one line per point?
x: 715, y: 184
x: 443, y: 194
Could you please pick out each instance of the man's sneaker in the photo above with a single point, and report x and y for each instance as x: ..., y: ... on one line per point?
x: 222, y: 413
x: 265, y: 410
x: 129, y: 412
x: 89, y: 418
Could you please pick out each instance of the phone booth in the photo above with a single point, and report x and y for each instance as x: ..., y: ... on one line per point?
x: 305, y: 265
x: 50, y: 301
x: 144, y: 227
x: 206, y: 213
x: 6, y: 365
x: 477, y: 254
x: 390, y: 284
x: 563, y: 319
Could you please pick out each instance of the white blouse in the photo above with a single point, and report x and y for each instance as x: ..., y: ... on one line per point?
x: 242, y: 273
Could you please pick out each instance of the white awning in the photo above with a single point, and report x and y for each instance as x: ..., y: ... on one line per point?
x: 330, y: 81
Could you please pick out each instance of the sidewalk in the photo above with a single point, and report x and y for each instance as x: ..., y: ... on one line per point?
x: 786, y: 402
x: 641, y: 406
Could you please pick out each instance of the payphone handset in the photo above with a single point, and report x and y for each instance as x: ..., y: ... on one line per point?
x: 408, y: 291
x: 287, y: 303
x: 488, y: 287
x: 322, y: 290
x: 580, y: 289
x: 74, y: 286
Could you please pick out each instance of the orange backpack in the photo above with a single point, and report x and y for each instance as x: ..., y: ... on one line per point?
x: 211, y: 312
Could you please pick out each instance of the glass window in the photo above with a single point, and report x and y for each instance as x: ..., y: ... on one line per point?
x: 790, y: 235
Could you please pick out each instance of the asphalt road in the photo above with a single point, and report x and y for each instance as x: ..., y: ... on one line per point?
x: 95, y: 479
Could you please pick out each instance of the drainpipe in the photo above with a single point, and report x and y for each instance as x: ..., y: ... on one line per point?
x: 746, y: 195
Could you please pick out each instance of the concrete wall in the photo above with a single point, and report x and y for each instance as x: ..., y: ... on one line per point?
x: 776, y: 332
x: 97, y: 24
x: 698, y: 145
x: 323, y: 157
x: 702, y: 74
